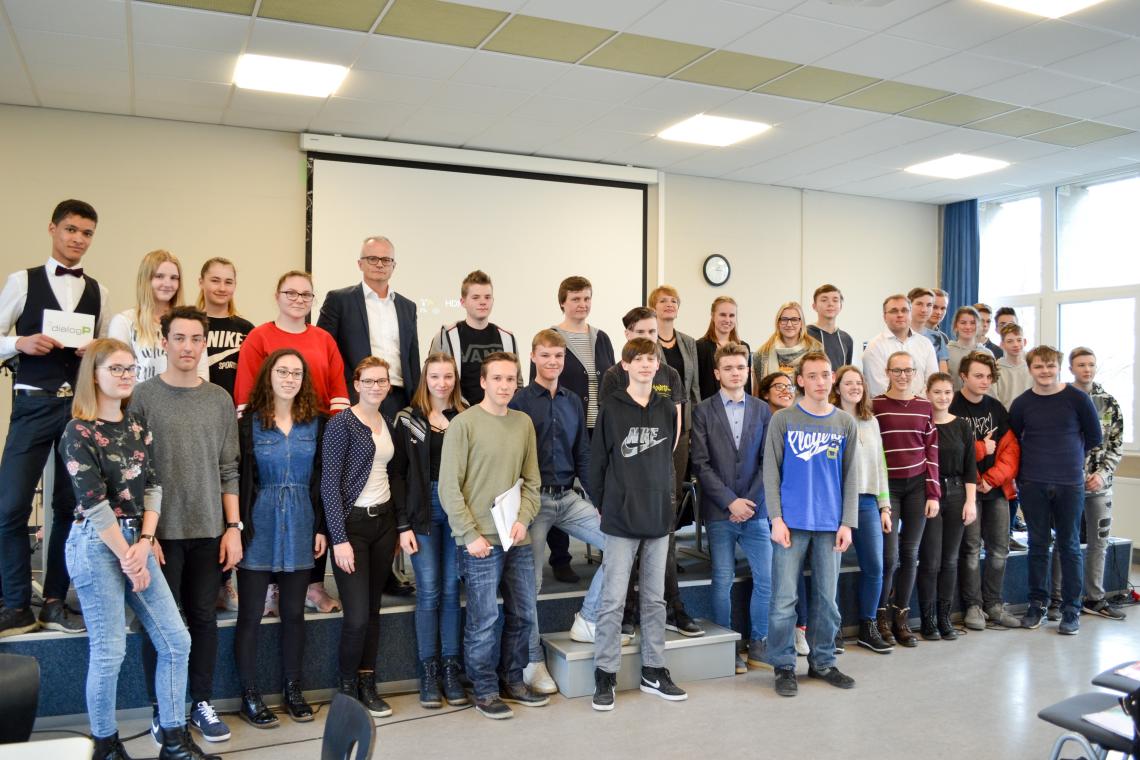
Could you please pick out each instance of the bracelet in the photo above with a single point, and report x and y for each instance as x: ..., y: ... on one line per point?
x: 148, y: 537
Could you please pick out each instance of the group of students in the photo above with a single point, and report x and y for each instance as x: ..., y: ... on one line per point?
x: 345, y: 444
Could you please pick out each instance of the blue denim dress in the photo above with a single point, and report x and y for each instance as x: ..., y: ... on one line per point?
x: 283, y: 513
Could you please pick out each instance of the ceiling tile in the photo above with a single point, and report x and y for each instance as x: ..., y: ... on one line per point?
x: 497, y: 70
x: 882, y: 135
x: 635, y: 120
x: 209, y: 95
x: 1131, y: 83
x: 1033, y: 87
x: 357, y: 15
x: 701, y: 22
x: 717, y: 163
x: 90, y: 100
x: 519, y: 136
x: 1108, y: 64
x: 1115, y: 16
x: 1045, y: 42
x: 769, y: 109
x: 1094, y: 103
x: 826, y: 179
x: 656, y: 153
x: 67, y: 79
x: 567, y: 111
x: 278, y: 122
x: 671, y: 96
x: 1022, y: 122
x: 290, y: 107
x: 1128, y: 146
x: 183, y: 63
x: 1017, y: 151
x: 825, y: 122
x: 1077, y: 162
x: 736, y: 70
x: 158, y: 109
x: 510, y: 6
x: 543, y: 38
x: 962, y: 72
x: 871, y: 16
x: 54, y: 49
x: 799, y: 39
x: 432, y: 126
x: 92, y: 18
x: 936, y: 146
x: 891, y: 97
x: 591, y: 144
x: 1129, y: 118
x: 604, y: 13
x: 436, y: 21
x: 599, y: 84
x: 476, y: 99
x: 410, y: 57
x: 962, y: 24
x: 388, y: 88
x: 644, y: 55
x: 821, y: 85
x: 356, y: 116
x: 958, y: 110
x: 178, y: 27
x: 310, y: 43
x: 774, y: 5
x: 886, y: 183
x: 884, y: 56
x: 243, y: 7
x: 1081, y: 133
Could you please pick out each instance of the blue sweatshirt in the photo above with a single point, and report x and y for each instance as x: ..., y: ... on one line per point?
x: 1055, y: 431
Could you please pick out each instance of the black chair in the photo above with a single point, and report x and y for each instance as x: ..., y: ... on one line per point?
x: 1091, y: 738
x: 19, y: 697
x: 349, y: 725
x: 1110, y: 679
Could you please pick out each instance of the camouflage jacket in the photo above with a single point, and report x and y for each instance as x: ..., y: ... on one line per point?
x: 1104, y: 459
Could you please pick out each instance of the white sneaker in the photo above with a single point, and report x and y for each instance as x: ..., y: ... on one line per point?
x: 802, y: 648
x: 537, y: 677
x: 583, y: 631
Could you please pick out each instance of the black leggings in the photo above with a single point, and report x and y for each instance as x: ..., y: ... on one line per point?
x: 252, y: 585
x: 900, y: 546
x: 373, y: 541
x: 938, y: 554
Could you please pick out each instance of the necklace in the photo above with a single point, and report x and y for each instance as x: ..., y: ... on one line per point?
x: 668, y: 343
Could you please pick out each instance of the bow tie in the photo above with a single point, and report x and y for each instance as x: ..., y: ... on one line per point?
x: 61, y: 271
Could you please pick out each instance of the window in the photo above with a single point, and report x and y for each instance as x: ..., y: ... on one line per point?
x: 1098, y: 234
x: 1108, y: 328
x: 1011, y: 247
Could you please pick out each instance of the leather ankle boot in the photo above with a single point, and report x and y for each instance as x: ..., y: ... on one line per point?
x: 945, y: 625
x: 903, y: 634
x: 453, y: 689
x: 430, y: 696
x: 368, y: 696
x: 109, y: 748
x: 883, y: 623
x: 929, y: 623
x: 293, y: 697
x: 253, y: 710
x: 177, y: 745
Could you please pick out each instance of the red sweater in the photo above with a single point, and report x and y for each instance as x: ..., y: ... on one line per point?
x: 910, y: 440
x: 322, y: 359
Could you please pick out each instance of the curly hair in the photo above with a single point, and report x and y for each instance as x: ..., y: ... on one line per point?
x: 306, y: 405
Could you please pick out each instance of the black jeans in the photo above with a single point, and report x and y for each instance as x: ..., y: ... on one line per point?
x: 193, y: 573
x: 938, y: 553
x: 900, y: 546
x: 373, y: 541
x: 252, y: 585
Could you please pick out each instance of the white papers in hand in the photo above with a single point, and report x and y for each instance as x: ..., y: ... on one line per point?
x: 72, y: 329
x: 505, y: 512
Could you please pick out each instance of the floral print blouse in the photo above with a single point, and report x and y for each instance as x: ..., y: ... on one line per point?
x: 111, y: 469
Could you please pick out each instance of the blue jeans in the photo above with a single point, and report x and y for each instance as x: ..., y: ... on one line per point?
x: 512, y: 574
x: 36, y: 425
x: 436, y: 566
x: 576, y: 517
x: 755, y: 540
x: 1048, y: 505
x: 868, y: 541
x: 817, y: 550
x: 104, y: 591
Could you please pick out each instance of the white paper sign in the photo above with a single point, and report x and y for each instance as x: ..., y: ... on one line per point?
x: 72, y: 329
x: 505, y: 512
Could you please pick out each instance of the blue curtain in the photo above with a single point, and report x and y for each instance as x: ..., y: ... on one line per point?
x: 961, y: 255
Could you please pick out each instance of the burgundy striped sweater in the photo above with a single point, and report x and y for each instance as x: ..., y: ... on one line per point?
x: 910, y: 440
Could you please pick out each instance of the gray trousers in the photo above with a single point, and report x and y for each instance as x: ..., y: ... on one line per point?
x: 983, y: 588
x: 617, y: 564
x: 1098, y: 527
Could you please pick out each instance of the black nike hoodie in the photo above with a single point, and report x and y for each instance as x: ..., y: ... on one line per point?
x: 631, y: 465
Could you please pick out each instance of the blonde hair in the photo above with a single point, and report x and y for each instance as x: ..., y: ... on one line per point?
x: 662, y: 290
x: 710, y: 334
x: 146, y: 307
x: 421, y: 398
x: 85, y: 404
x: 803, y: 337
x: 231, y: 307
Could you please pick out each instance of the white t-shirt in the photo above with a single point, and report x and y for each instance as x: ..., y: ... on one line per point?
x: 376, y: 490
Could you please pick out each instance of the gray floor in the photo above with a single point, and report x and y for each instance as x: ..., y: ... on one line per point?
x: 973, y: 698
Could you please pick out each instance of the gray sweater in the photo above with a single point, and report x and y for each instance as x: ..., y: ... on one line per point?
x: 195, y: 454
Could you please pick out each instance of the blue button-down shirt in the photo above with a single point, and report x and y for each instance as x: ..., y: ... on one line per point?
x: 735, y: 412
x: 560, y: 433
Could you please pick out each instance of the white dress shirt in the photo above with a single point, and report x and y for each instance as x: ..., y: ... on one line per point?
x: 68, y: 290
x: 880, y: 349
x: 384, y: 331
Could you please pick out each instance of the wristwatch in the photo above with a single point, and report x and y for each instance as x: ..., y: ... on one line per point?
x: 239, y: 525
x: 148, y: 537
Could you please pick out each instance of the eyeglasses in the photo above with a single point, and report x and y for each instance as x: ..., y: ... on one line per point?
x: 896, y: 312
x: 119, y: 370
x: 283, y: 373
x: 379, y: 261
x: 781, y: 387
x: 369, y: 382
x: 900, y: 372
x: 790, y: 320
x: 294, y: 295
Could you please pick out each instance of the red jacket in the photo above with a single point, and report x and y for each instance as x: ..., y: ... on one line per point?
x: 1007, y: 457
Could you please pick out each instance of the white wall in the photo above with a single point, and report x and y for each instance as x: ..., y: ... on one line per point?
x: 1125, y: 515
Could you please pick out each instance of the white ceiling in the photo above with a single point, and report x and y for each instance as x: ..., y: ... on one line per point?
x: 133, y: 57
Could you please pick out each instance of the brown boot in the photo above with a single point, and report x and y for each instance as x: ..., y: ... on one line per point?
x: 883, y: 623
x: 903, y: 635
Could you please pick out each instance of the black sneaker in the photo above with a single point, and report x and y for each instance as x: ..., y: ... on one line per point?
x: 1102, y: 608
x: 1053, y: 614
x: 430, y: 695
x: 680, y: 622
x: 628, y: 629
x: 13, y: 622
x: 605, y: 684
x: 786, y: 685
x: 832, y: 676
x: 657, y: 681
x: 565, y: 574
x: 1016, y: 546
x: 521, y: 694
x: 1032, y: 617
x: 493, y: 708
x: 870, y: 638
x: 453, y: 690
x: 54, y: 617
x: 1070, y: 623
x: 366, y: 693
x: 840, y: 647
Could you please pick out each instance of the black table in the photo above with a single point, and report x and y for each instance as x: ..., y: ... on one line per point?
x: 1092, y: 738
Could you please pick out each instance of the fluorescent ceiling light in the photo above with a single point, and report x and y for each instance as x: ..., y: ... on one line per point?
x: 703, y: 129
x: 1047, y: 8
x: 957, y: 166
x: 288, y: 75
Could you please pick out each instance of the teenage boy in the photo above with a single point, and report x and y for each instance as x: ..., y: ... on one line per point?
x: 1013, y: 372
x: 1005, y: 315
x: 199, y: 536
x: 563, y: 455
x: 997, y: 453
x: 631, y: 479
x: 487, y: 449
x: 1100, y: 467
x: 899, y: 336
x: 922, y: 304
x: 938, y: 313
x: 475, y: 337
x: 985, y: 319
x: 827, y: 302
x: 641, y: 322
x: 728, y: 457
x: 1056, y: 425
x: 43, y: 386
x: 809, y: 488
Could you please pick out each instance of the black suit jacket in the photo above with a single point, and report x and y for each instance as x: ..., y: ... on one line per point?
x: 345, y: 317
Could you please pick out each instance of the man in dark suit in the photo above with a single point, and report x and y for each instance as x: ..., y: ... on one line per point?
x: 727, y: 457
x: 372, y: 319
